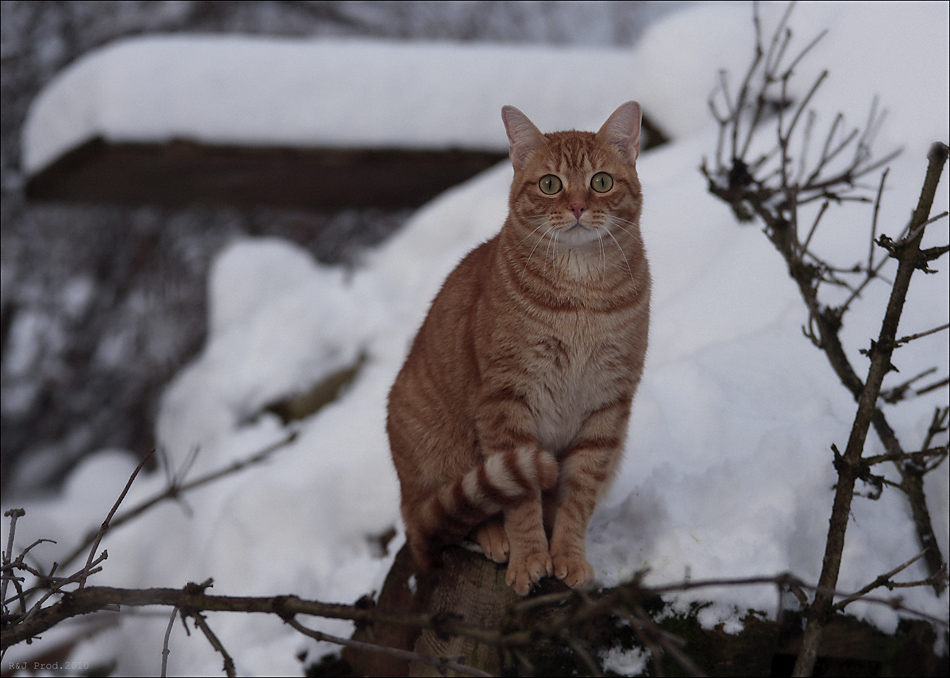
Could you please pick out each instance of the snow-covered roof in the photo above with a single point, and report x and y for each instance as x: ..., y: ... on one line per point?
x: 318, y: 93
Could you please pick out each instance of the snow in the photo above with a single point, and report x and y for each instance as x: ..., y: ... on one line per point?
x: 625, y: 662
x: 330, y: 93
x: 728, y: 469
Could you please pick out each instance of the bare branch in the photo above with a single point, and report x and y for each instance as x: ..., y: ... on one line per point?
x: 13, y: 514
x: 877, y: 209
x: 572, y: 608
x: 177, y: 488
x: 441, y: 662
x: 770, y: 191
x: 849, y: 468
x: 105, y: 523
x: 814, y: 226
x: 899, y: 392
x: 202, y: 624
x: 934, y: 386
x: 168, y: 633
x: 882, y: 580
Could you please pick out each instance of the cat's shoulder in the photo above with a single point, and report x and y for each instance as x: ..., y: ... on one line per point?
x: 478, y: 260
x: 468, y: 278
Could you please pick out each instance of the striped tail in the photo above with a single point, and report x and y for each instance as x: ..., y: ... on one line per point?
x: 500, y: 481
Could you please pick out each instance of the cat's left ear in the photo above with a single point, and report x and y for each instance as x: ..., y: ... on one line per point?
x: 622, y: 131
x: 523, y: 137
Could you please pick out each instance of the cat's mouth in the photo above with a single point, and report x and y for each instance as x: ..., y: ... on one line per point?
x: 580, y: 233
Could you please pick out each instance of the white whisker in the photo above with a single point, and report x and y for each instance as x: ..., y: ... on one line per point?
x: 538, y: 228
x: 531, y: 253
x: 633, y: 234
x: 629, y: 270
x: 547, y: 252
x: 616, y: 221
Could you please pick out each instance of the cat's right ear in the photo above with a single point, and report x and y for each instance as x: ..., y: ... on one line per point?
x: 622, y: 131
x: 523, y: 137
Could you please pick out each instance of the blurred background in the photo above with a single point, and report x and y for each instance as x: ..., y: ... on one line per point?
x: 103, y: 303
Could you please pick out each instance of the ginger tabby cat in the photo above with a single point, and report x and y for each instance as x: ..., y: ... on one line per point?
x: 508, y: 419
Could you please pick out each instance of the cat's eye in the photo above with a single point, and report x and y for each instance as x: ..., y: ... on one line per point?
x: 549, y: 184
x: 601, y: 182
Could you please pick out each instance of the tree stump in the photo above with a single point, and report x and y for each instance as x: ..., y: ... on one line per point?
x: 468, y: 587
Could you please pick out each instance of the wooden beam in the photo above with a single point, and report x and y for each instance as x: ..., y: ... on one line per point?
x: 179, y: 173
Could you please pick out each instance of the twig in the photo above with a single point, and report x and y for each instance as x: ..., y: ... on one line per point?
x: 105, y: 523
x: 645, y: 640
x: 877, y: 209
x: 175, y: 490
x: 202, y: 624
x: 934, y: 330
x: 882, y: 580
x: 168, y: 633
x: 919, y: 456
x: 668, y: 642
x: 13, y: 514
x: 814, y: 226
x: 896, y: 393
x: 584, y: 655
x: 440, y: 662
x: 934, y: 386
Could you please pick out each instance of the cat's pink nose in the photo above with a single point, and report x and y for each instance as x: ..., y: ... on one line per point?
x: 577, y: 208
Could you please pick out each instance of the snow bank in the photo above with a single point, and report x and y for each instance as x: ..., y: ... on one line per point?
x: 728, y: 468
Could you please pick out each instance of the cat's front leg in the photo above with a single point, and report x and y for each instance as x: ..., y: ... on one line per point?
x: 529, y: 559
x: 586, y: 468
x: 568, y: 542
x: 504, y: 423
x: 493, y: 540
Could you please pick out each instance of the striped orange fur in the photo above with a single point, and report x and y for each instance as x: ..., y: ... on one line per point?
x: 508, y: 418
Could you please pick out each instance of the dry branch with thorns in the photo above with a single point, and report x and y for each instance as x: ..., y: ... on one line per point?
x: 772, y: 187
x: 559, y: 616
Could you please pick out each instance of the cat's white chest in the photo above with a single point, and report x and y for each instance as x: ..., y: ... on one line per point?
x: 570, y: 385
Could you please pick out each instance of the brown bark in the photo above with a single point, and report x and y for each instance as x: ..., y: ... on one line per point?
x: 849, y: 465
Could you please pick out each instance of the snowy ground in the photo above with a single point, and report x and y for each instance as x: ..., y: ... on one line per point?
x: 728, y: 469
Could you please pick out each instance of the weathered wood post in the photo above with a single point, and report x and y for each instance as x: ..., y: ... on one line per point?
x: 468, y: 587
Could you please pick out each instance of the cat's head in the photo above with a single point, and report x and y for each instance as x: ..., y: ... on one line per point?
x: 575, y: 187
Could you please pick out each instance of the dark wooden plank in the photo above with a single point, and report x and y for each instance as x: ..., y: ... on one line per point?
x: 181, y: 173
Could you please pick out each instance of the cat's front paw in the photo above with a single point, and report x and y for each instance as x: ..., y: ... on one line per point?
x: 573, y: 569
x: 494, y: 541
x: 523, y: 573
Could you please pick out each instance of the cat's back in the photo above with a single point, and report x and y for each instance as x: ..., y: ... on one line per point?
x: 429, y: 403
